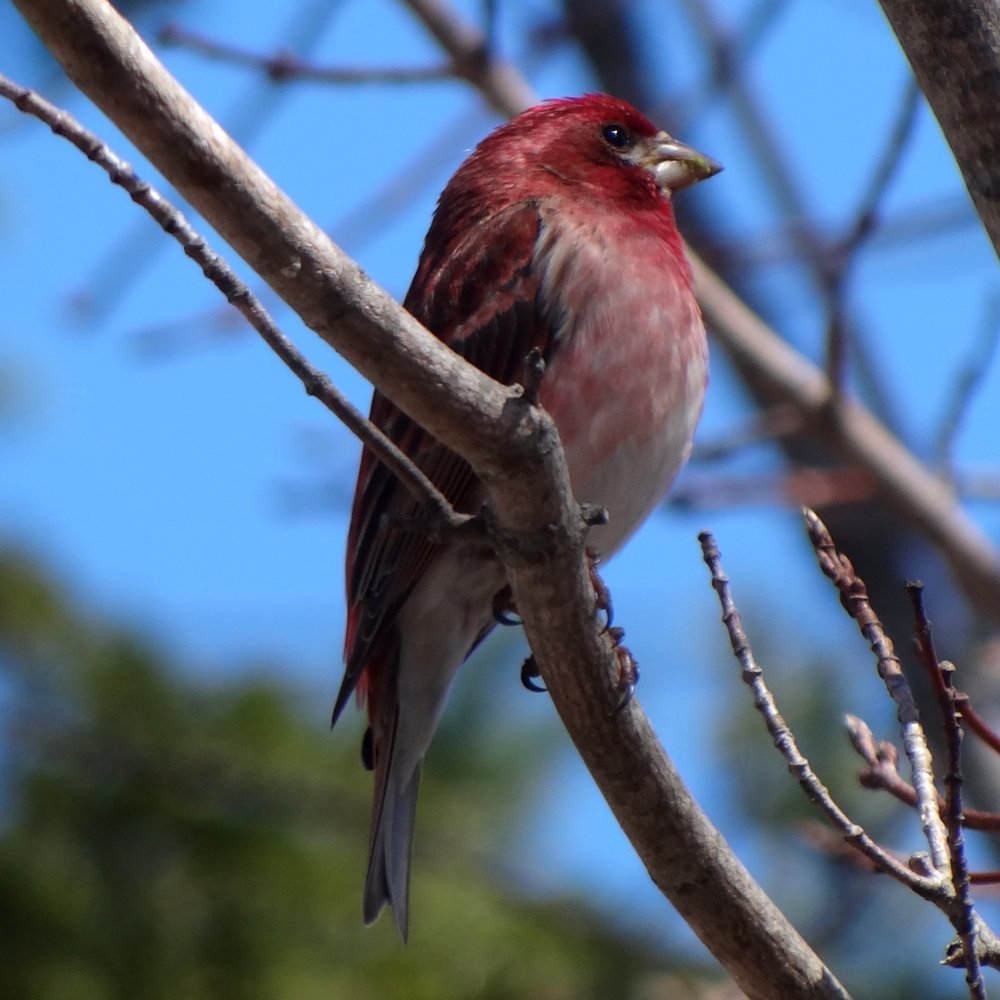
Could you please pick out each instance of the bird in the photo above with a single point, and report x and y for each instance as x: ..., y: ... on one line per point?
x: 556, y: 235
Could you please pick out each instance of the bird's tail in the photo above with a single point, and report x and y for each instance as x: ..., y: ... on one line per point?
x: 391, y: 841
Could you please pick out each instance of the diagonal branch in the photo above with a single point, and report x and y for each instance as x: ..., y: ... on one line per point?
x: 923, y: 499
x: 283, y: 66
x: 854, y: 598
x: 948, y: 41
x: 173, y: 223
x: 928, y: 886
x: 499, y: 82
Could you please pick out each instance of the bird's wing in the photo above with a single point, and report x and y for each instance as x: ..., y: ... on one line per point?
x: 480, y: 294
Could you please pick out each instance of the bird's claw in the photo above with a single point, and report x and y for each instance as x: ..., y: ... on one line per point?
x: 602, y: 595
x: 624, y: 699
x: 368, y: 750
x: 529, y: 671
x: 628, y: 669
x: 504, y: 609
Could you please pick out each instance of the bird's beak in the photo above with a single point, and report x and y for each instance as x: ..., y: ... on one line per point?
x: 673, y: 164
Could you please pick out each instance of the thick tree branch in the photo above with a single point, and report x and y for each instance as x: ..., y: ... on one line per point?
x: 954, y: 49
x: 109, y: 62
x: 511, y: 444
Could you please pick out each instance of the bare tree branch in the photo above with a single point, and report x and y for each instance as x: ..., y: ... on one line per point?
x: 948, y: 41
x: 784, y: 739
x: 854, y: 597
x: 882, y: 774
x: 967, y: 381
x: 315, y: 382
x: 964, y: 917
x: 866, y: 220
x: 909, y: 488
x: 284, y: 66
x: 499, y: 82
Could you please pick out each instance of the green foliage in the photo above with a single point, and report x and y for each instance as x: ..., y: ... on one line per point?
x: 173, y: 839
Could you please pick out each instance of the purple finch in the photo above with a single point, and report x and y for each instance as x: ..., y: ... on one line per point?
x: 557, y: 233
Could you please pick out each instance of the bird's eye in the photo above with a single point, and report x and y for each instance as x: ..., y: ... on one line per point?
x: 616, y: 135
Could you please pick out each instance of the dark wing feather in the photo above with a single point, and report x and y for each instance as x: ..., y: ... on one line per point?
x: 484, y: 302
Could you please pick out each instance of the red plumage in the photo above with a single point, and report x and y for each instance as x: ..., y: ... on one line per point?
x: 558, y: 233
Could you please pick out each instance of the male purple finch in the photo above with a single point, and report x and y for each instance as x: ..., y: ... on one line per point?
x: 557, y: 233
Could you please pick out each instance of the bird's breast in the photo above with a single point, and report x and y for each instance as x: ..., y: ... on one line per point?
x: 628, y: 370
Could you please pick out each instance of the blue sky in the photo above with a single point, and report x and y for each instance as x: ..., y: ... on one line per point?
x: 160, y: 482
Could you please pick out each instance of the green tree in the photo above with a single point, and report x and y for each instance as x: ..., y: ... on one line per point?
x: 172, y: 838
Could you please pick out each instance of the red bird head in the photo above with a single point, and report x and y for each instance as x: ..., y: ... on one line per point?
x: 594, y: 145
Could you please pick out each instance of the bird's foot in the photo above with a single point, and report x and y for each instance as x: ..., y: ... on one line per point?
x: 628, y: 669
x: 602, y: 596
x: 505, y: 613
x: 504, y: 608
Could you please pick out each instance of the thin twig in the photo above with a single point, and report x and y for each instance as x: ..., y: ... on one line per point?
x: 695, y: 106
x: 942, y: 681
x: 758, y: 126
x: 854, y: 597
x: 497, y: 80
x: 361, y: 223
x: 963, y: 915
x: 825, y: 486
x: 764, y: 426
x: 882, y: 774
x: 978, y: 725
x: 929, y: 887
x: 946, y: 840
x: 866, y: 219
x: 779, y: 245
x: 864, y: 224
x: 763, y: 140
x: 122, y: 263
x: 978, y: 484
x: 174, y: 223
x: 286, y: 66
